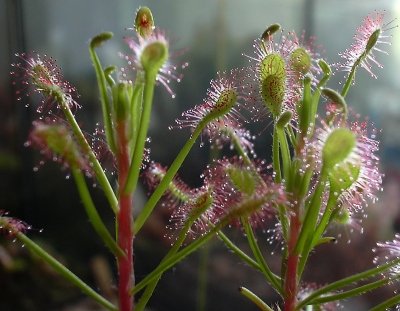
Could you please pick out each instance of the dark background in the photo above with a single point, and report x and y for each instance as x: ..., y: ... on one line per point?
x: 214, y: 34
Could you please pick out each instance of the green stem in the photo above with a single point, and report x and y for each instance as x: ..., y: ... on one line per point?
x: 240, y: 150
x: 305, y: 109
x: 105, y: 104
x: 137, y: 156
x: 313, y: 111
x: 172, y: 260
x: 350, y: 293
x: 98, y: 170
x: 255, y: 299
x: 125, y: 235
x: 319, y: 230
x: 64, y: 271
x: 283, y: 220
x: 331, y: 204
x: 292, y: 136
x: 151, y: 287
x: 92, y: 213
x: 387, y: 304
x: 347, y: 281
x: 275, y: 156
x: 202, y: 278
x: 290, y: 263
x: 136, y: 106
x: 305, y: 183
x: 246, y: 159
x: 311, y: 216
x: 284, y: 148
x: 352, y: 74
x: 252, y: 263
x: 272, y: 279
x: 169, y: 175
x: 349, y: 80
x: 239, y: 211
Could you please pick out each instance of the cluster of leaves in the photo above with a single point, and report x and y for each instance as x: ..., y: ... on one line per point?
x: 324, y: 169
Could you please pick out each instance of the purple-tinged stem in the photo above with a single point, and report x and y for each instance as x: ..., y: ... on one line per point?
x: 291, y: 281
x: 125, y: 232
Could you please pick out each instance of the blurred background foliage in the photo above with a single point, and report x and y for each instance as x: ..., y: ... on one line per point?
x: 214, y: 34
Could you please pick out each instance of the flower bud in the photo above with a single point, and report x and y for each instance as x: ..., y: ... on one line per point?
x: 100, y: 39
x: 144, y: 22
x: 153, y: 57
x: 266, y: 35
x: 338, y: 146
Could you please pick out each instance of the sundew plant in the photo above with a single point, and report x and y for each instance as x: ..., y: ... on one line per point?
x: 324, y: 168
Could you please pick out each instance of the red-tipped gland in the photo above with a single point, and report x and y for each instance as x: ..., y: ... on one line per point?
x: 55, y: 141
x: 178, y: 191
x: 369, y: 38
x: 199, y: 206
x: 47, y: 83
x: 241, y: 188
x: 144, y: 22
x: 195, y: 214
x: 386, y: 252
x: 224, y: 104
x: 349, y: 159
x: 41, y: 76
x: 10, y: 226
x: 45, y: 77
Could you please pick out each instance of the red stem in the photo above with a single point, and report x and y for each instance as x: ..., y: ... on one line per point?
x: 125, y: 232
x: 291, y: 281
